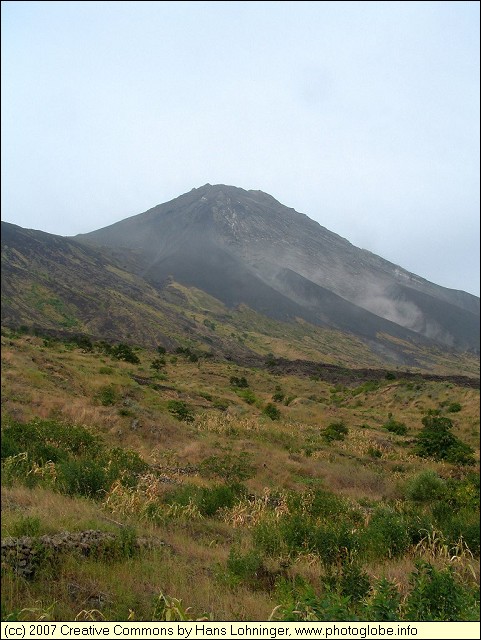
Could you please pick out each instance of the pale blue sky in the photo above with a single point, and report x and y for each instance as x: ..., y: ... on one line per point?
x: 362, y: 115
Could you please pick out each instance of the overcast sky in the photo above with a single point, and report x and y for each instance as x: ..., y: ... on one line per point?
x: 362, y: 115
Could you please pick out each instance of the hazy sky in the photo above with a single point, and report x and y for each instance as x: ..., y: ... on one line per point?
x: 362, y: 115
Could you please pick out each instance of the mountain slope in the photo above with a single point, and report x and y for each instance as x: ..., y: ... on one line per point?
x: 58, y: 285
x: 228, y: 241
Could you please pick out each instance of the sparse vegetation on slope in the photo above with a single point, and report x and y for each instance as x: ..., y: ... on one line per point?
x: 342, y: 504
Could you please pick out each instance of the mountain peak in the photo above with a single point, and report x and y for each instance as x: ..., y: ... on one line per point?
x: 246, y: 247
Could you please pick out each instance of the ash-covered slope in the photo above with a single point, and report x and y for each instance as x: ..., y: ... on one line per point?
x: 60, y: 286
x: 245, y: 246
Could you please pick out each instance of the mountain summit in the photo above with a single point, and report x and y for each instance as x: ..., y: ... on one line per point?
x: 245, y: 247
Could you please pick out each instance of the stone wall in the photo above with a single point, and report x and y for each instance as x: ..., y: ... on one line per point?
x: 27, y: 554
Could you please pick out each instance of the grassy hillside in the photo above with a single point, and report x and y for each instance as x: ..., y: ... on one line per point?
x: 276, y: 494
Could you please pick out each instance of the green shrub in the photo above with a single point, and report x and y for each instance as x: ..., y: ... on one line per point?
x: 427, y: 486
x: 83, y: 465
x: 124, y: 352
x: 186, y: 351
x: 435, y: 440
x: 303, y: 604
x: 335, y: 543
x: 333, y: 540
x: 464, y: 492
x: 229, y: 467
x: 271, y: 411
x: 82, y: 342
x: 241, y: 383
x: 125, y: 543
x: 278, y: 395
x: 460, y: 453
x: 82, y: 477
x: 267, y: 536
x: 222, y: 496
x: 107, y: 396
x: 246, y: 568
x: 318, y: 503
x: 247, y: 395
x: 383, y: 605
x: 370, y: 385
x: 436, y: 595
x: 351, y: 581
x: 209, y: 500
x: 106, y: 371
x: 180, y: 410
x: 399, y: 428
x: 454, y: 407
x: 9, y: 446
x: 335, y: 431
x: 220, y: 404
x: 46, y: 440
x: 458, y: 523
x: 386, y: 536
x: 125, y: 465
x: 158, y: 364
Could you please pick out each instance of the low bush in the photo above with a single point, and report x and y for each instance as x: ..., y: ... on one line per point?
x: 386, y: 536
x: 247, y: 568
x: 383, y: 603
x: 436, y: 595
x: 180, y: 410
x: 67, y: 457
x: 48, y: 440
x: 454, y: 407
x: 158, y: 364
x: 125, y: 465
x: 247, y: 395
x: 271, y: 411
x: 335, y: 431
x: 108, y: 396
x: 106, y: 371
x: 229, y: 467
x: 208, y: 500
x: 119, y: 351
x: 436, y: 440
x: 188, y: 353
x: 241, y: 383
x: 278, y: 395
x: 393, y: 426
x: 427, y: 486
x: 349, y: 580
x: 83, y: 477
x: 301, y: 603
